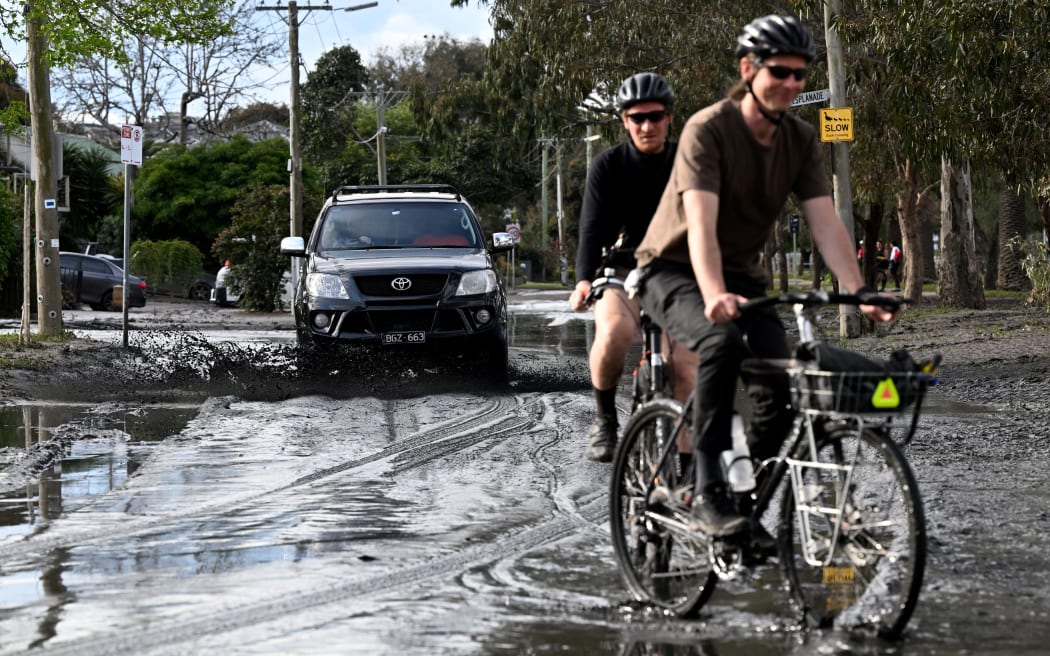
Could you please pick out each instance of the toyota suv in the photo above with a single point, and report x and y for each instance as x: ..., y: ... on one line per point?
x: 401, y: 266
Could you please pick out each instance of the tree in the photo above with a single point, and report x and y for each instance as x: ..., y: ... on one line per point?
x: 329, y: 103
x: 91, y: 199
x: 259, y: 220
x: 58, y: 33
x: 187, y: 193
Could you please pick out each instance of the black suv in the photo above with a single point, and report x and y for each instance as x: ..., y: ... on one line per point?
x: 400, y: 265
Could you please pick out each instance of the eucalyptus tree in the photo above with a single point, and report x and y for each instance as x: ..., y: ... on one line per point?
x: 58, y: 33
x: 966, y: 85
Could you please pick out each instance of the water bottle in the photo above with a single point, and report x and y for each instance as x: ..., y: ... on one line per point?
x: 736, y: 462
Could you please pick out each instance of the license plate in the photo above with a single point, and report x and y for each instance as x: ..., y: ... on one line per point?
x: 413, y: 337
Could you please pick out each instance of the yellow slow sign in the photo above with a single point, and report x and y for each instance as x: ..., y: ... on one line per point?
x: 836, y: 124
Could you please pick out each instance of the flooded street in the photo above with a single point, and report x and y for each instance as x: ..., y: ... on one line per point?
x: 219, y: 494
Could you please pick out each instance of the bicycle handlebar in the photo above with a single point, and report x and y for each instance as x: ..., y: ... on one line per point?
x: 816, y: 298
x: 598, y: 286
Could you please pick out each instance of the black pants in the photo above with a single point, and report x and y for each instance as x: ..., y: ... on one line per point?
x: 671, y: 296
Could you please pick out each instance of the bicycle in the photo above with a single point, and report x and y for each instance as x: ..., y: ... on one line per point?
x: 851, y: 534
x: 649, y: 378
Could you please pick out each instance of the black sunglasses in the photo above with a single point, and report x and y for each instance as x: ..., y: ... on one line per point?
x: 654, y: 117
x: 784, y: 72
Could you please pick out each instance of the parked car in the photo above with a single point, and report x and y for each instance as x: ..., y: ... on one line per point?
x: 95, y: 280
x: 199, y: 290
x: 401, y: 266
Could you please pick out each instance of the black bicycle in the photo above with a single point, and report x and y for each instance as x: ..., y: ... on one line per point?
x: 851, y: 533
x: 649, y: 378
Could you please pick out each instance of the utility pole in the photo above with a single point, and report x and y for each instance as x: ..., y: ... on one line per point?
x: 562, y: 256
x: 544, y: 209
x: 48, y: 278
x: 295, y: 161
x: 849, y: 317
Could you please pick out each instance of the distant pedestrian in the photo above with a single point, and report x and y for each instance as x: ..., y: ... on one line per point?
x: 895, y: 264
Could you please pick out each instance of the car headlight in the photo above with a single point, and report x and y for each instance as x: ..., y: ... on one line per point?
x: 325, y: 285
x: 477, y: 282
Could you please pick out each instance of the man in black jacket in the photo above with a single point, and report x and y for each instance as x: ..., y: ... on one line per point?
x: 624, y: 186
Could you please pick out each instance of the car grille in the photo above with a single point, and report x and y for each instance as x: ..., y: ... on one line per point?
x: 422, y: 284
x: 408, y: 320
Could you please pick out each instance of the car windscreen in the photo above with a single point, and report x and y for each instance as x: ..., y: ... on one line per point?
x: 394, y: 224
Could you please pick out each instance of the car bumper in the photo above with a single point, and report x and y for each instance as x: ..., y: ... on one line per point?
x: 454, y: 321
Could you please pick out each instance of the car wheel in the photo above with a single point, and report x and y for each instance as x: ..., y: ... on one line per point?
x: 200, y: 292
x: 106, y: 302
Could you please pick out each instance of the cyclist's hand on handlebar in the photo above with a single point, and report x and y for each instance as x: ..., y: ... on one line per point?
x: 876, y: 311
x: 723, y: 308
x: 578, y: 297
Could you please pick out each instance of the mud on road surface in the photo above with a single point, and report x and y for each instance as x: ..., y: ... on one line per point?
x: 212, y: 489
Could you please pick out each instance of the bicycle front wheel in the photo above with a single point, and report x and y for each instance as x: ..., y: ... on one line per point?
x: 853, y: 536
x: 662, y: 562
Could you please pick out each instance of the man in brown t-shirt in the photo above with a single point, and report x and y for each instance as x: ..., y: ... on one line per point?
x: 737, y: 162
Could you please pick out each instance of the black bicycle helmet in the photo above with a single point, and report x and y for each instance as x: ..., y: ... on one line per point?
x: 644, y: 87
x: 776, y: 35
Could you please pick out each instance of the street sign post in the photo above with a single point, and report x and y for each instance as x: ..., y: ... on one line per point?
x: 130, y: 154
x: 807, y: 97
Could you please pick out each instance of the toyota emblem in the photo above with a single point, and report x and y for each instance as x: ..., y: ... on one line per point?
x: 401, y: 284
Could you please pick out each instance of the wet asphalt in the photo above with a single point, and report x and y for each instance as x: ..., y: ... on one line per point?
x: 216, y: 491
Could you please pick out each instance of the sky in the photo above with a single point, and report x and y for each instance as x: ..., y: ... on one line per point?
x: 391, y: 24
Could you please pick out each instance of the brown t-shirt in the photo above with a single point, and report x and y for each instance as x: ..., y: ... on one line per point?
x: 718, y: 153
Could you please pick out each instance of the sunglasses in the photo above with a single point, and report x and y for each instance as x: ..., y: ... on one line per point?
x: 784, y: 72
x: 640, y: 118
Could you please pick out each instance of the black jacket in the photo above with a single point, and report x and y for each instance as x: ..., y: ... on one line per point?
x: 623, y: 189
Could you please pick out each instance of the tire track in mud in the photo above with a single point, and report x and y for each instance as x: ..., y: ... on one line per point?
x: 167, y: 633
x: 432, y: 444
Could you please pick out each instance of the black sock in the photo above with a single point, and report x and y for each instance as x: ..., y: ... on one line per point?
x: 606, y: 400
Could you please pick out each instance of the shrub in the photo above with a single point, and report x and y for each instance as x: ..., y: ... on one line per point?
x: 172, y: 265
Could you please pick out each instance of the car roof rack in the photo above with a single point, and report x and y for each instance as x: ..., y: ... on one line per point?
x: 433, y: 188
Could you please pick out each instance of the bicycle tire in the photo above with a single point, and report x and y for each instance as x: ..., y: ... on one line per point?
x: 874, y: 577
x: 660, y: 566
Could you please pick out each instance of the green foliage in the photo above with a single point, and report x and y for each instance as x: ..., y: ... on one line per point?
x: 99, y: 28
x: 90, y: 198
x: 173, y: 265
x: 1036, y: 264
x: 10, y: 236
x: 187, y: 193
x: 252, y: 244
x: 329, y: 103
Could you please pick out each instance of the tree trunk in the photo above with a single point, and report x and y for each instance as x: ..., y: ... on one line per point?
x: 910, y: 223
x: 1043, y: 205
x: 48, y: 280
x: 991, y: 272
x: 872, y: 228
x: 959, y: 280
x: 1011, y: 235
x: 781, y: 255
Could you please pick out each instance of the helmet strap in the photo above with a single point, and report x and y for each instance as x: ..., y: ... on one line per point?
x: 775, y: 120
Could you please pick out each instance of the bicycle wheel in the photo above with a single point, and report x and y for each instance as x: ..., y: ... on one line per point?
x: 863, y: 567
x: 662, y: 562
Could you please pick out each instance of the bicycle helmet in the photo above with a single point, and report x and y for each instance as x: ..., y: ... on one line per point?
x: 776, y: 35
x: 644, y: 87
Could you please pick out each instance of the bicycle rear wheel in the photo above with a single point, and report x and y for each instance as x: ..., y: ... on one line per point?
x: 661, y: 561
x: 872, y: 555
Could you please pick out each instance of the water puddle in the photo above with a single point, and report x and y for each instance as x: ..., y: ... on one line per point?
x: 57, y: 455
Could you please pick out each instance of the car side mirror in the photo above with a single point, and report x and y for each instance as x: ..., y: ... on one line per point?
x: 502, y: 241
x: 294, y: 246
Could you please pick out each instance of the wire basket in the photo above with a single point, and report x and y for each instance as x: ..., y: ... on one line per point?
x: 856, y: 392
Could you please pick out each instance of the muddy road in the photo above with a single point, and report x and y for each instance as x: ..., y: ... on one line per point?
x: 211, y: 490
